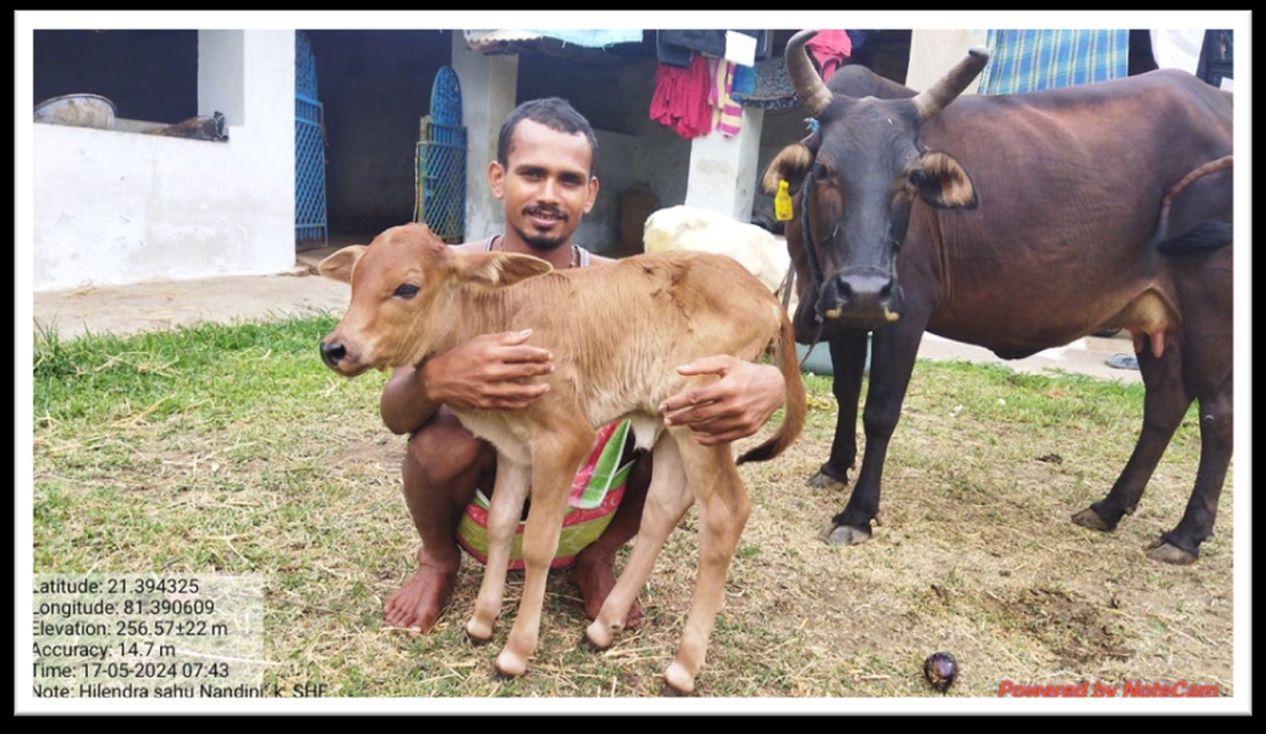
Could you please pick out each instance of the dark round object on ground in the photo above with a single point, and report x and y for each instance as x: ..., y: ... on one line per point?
x: 940, y: 669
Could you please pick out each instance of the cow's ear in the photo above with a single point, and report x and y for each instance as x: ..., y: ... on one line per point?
x: 943, y: 183
x: 790, y: 165
x: 339, y: 265
x: 491, y: 269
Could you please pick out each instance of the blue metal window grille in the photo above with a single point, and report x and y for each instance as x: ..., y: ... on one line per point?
x: 310, y: 210
x: 440, y: 161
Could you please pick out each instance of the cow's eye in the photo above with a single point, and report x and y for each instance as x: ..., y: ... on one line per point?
x: 820, y: 170
x: 408, y: 290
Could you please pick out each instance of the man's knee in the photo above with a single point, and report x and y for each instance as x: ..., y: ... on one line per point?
x: 443, y: 450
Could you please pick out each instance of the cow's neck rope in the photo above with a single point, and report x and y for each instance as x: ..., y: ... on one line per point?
x: 815, y: 273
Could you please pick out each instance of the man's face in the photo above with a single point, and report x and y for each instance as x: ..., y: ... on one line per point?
x: 545, y: 184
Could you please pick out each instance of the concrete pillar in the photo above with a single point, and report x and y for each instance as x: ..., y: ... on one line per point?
x: 723, y: 169
x: 250, y: 77
x: 221, y: 75
x: 489, y: 88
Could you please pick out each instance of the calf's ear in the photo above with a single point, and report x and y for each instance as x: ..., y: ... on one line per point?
x: 339, y: 265
x: 943, y: 183
x: 492, y: 269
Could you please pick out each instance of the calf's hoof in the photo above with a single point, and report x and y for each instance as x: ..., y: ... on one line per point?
x: 1088, y: 518
x: 826, y: 481
x: 478, y: 632
x: 598, y: 636
x: 1167, y: 553
x: 680, y: 682
x: 509, y: 665
x: 847, y: 535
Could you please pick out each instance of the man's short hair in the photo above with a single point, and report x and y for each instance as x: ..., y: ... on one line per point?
x: 555, y: 113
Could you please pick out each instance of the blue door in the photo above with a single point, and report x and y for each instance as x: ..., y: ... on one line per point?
x: 311, y: 228
x: 440, y: 159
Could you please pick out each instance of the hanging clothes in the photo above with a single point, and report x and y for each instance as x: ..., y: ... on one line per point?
x: 699, y: 41
x: 1216, y: 57
x: 727, y: 116
x: 1177, y: 49
x: 1030, y: 61
x: 935, y: 52
x: 680, y: 100
x: 744, y: 81
x: 859, y: 38
x: 594, y: 38
x: 771, y: 89
x: 830, y: 49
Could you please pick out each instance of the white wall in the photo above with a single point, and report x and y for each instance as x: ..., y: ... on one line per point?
x: 488, y: 93
x: 116, y: 207
x: 599, y: 231
x: 663, y: 161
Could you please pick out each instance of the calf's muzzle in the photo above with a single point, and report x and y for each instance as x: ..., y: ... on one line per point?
x: 332, y: 353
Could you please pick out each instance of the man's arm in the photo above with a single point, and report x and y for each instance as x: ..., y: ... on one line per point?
x: 489, y: 372
x: 733, y: 407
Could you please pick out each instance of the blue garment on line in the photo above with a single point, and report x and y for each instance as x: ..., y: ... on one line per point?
x: 595, y: 38
x: 744, y: 80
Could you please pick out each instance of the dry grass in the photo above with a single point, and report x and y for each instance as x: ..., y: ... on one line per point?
x: 232, y: 450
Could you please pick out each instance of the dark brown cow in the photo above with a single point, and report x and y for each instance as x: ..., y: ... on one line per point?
x: 1022, y: 222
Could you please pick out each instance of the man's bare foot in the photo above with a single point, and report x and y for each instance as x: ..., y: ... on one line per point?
x: 595, y: 575
x: 417, y: 605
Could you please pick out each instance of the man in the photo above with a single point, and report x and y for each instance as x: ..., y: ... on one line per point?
x: 543, y: 174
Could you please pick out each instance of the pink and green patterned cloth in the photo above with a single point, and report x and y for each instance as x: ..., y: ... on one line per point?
x: 595, y: 495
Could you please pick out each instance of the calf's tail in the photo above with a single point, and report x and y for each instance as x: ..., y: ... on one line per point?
x: 794, y: 406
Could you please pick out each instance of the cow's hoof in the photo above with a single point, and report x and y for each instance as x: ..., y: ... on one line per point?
x: 1167, y: 553
x: 679, y: 681
x: 825, y: 481
x: 846, y: 535
x: 478, y: 633
x: 1088, y: 518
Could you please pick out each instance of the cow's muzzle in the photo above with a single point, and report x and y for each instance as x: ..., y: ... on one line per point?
x: 867, y: 297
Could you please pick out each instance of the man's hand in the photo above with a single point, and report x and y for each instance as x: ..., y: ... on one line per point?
x: 489, y: 372
x: 734, y: 407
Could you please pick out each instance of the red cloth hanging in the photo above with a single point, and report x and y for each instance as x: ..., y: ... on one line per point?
x: 680, y: 100
x: 830, y: 50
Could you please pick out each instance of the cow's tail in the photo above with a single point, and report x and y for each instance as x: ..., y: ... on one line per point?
x: 794, y: 405
x: 1203, y: 237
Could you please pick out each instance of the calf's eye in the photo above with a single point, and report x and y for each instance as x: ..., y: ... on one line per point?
x: 408, y: 290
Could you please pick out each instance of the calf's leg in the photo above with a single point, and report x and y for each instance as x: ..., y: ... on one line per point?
x: 508, y: 494
x: 555, y: 460
x: 723, y: 511
x: 667, y: 500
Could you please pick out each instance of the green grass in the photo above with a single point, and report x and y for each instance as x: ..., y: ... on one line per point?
x: 223, y: 449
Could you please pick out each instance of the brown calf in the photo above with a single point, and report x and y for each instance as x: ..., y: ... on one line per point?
x: 616, y: 332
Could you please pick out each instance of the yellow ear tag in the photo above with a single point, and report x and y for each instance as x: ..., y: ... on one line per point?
x: 782, y: 203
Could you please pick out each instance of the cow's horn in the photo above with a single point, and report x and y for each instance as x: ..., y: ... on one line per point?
x: 932, y: 100
x: 808, y: 84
